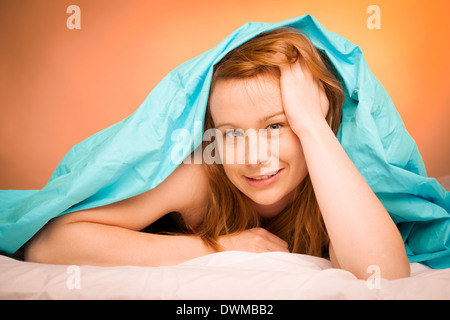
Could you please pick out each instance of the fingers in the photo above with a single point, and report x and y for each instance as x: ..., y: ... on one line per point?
x: 303, y: 96
x: 275, y: 239
x: 273, y: 242
x: 296, y: 71
x: 253, y: 240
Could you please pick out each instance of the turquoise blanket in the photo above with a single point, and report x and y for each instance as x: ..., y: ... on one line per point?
x: 134, y: 155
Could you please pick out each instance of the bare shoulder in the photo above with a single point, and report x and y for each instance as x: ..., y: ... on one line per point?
x: 189, y: 187
x: 188, y: 180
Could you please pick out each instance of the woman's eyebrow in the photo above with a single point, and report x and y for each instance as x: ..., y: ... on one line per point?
x: 263, y: 119
x: 268, y: 117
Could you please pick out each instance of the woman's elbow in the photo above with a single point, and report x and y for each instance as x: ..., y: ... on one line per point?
x: 36, y: 251
x: 401, y: 271
x: 383, y: 271
x: 41, y: 248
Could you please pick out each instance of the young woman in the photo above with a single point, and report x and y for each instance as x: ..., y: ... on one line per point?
x: 313, y: 202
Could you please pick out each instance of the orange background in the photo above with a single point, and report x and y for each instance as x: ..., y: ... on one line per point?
x: 59, y: 86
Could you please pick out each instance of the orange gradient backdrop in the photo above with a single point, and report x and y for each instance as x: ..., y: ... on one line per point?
x: 59, y: 86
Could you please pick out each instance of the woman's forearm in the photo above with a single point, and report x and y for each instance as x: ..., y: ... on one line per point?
x: 86, y: 243
x: 360, y: 229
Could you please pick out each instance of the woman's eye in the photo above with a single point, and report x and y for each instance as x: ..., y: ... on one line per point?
x: 274, y: 127
x: 233, y: 133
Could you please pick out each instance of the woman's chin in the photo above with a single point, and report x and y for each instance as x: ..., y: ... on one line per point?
x: 268, y: 206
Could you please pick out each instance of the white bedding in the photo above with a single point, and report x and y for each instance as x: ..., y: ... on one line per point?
x: 226, y: 275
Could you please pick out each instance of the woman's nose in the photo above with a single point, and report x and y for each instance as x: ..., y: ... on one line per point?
x: 258, y: 149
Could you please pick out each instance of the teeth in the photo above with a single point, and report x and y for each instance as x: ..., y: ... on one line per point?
x: 266, y: 176
x: 263, y: 177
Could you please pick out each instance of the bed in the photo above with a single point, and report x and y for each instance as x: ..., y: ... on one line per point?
x: 232, y: 275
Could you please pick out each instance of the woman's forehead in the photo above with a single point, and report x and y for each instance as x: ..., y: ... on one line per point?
x: 237, y: 100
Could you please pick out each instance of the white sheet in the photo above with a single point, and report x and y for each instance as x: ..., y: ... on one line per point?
x: 225, y: 275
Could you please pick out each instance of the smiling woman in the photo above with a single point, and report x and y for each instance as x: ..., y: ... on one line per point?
x: 300, y: 195
x: 245, y: 94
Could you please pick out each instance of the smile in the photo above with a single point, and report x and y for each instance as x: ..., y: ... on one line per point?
x: 263, y: 180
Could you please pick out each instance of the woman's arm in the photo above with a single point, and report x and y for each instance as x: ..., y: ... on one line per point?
x: 361, y: 231
x: 109, y: 235
x: 88, y: 243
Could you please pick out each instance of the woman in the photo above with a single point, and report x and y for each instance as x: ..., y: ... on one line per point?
x: 314, y: 201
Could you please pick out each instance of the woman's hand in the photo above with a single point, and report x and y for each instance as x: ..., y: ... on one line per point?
x: 253, y: 240
x: 304, y: 99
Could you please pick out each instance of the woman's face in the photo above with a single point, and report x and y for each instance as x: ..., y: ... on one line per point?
x: 247, y: 112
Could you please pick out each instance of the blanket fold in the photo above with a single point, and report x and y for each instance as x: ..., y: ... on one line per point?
x: 134, y: 155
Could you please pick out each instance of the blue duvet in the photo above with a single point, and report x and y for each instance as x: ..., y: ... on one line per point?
x: 134, y: 155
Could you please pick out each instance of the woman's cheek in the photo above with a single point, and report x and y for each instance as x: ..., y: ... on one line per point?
x: 290, y: 148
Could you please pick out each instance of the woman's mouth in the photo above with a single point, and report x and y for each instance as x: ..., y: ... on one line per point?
x: 263, y: 180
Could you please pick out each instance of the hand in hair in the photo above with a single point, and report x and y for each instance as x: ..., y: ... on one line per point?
x: 303, y: 96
